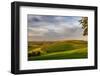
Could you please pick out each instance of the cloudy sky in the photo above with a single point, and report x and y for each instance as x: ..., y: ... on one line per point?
x: 51, y: 28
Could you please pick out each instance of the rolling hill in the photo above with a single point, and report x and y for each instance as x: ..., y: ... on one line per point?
x: 69, y: 49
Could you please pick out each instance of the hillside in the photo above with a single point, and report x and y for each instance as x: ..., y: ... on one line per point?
x: 69, y: 49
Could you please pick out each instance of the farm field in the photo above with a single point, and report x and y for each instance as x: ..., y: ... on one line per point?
x: 53, y: 50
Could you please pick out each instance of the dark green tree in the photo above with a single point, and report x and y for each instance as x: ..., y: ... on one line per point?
x: 84, y: 23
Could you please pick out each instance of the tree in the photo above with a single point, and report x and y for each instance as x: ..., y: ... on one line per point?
x: 84, y: 22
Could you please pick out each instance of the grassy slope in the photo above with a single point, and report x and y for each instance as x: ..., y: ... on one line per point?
x: 64, y: 46
x: 70, y: 49
x: 72, y: 54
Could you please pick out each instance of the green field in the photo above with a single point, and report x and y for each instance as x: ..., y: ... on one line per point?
x: 53, y: 50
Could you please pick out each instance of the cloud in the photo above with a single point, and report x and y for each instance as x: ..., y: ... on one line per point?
x: 36, y: 31
x: 53, y: 27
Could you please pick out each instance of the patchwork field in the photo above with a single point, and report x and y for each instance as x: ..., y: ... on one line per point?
x: 53, y: 50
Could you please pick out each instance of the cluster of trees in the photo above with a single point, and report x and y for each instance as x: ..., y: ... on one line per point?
x: 37, y: 53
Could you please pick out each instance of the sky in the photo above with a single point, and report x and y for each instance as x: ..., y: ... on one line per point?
x: 54, y: 28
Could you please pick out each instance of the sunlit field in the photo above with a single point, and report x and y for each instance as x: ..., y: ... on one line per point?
x: 48, y: 50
